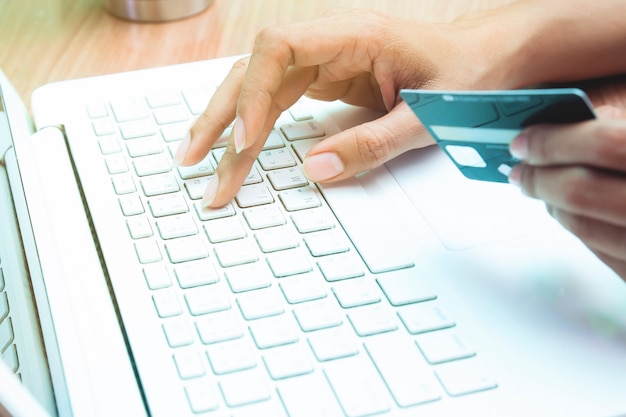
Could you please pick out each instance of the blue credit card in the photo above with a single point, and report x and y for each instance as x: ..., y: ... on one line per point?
x: 474, y: 128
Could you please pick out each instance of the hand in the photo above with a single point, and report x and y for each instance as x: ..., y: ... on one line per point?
x: 579, y: 170
x: 360, y: 57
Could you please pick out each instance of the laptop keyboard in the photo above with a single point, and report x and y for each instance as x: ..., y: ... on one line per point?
x: 7, y: 339
x: 268, y: 297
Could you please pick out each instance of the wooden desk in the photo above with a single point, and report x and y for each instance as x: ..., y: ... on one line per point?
x: 50, y: 40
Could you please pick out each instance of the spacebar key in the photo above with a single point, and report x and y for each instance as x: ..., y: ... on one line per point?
x: 377, y: 236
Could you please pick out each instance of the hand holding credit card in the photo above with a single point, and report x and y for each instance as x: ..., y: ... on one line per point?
x: 475, y: 128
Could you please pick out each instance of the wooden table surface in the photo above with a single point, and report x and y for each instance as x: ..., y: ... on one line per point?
x: 50, y: 40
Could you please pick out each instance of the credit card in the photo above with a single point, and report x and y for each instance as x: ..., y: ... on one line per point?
x: 474, y: 128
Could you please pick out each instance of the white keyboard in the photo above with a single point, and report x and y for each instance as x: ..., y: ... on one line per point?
x: 268, y: 305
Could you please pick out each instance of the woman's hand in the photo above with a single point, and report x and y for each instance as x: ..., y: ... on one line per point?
x: 579, y: 170
x: 360, y: 57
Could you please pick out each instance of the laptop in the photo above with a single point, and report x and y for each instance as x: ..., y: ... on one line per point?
x: 408, y: 290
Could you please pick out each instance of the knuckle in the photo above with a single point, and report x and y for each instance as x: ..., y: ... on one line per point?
x: 610, y: 143
x: 241, y: 65
x: 272, y: 34
x: 578, y: 189
x: 374, y: 147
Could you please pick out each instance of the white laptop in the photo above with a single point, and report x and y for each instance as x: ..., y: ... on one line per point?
x: 407, y: 291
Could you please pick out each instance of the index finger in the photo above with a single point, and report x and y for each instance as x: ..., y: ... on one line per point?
x: 307, y: 44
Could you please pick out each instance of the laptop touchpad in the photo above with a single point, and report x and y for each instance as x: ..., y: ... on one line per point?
x: 462, y: 212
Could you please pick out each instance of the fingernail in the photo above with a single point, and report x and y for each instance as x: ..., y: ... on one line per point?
x: 519, y: 146
x: 181, y: 151
x: 239, y: 135
x: 322, y: 166
x: 210, y: 191
x: 515, y: 176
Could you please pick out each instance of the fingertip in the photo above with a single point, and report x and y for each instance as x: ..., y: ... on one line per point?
x: 515, y: 176
x: 519, y: 146
x: 323, y: 166
x: 181, y: 151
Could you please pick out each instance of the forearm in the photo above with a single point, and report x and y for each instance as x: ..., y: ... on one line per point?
x: 533, y: 41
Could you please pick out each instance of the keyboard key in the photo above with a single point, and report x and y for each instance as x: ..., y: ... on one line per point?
x: 372, y: 319
x: 4, y: 303
x: 170, y: 114
x: 300, y: 112
x: 404, y: 287
x: 464, y: 377
x: 261, y: 303
x: 6, y: 334
x: 173, y: 227
x: 116, y: 164
x: 303, y: 287
x: 284, y: 179
x: 317, y: 315
x: 237, y: 252
x: 201, y: 396
x: 157, y: 276
x: 443, y: 346
x: 159, y: 184
x: 206, y: 299
x: 273, y: 141
x: 299, y: 199
x: 148, y: 251
x: 288, y: 361
x: 424, y: 317
x: 223, y: 230
x: 201, y: 169
x: 150, y: 165
x: 167, y: 205
x: 276, y: 239
x: 137, y: 129
x: 196, y: 273
x: 244, y: 387
x: 356, y: 292
x: 167, y: 303
x: 97, y: 110
x: 177, y: 332
x: 189, y: 364
x: 109, y: 145
x: 309, y: 396
x: 308, y: 221
x: 131, y: 205
x: 302, y: 130
x: 231, y: 356
x: 186, y: 249
x: 341, y: 266
x: 174, y: 132
x: 129, y: 109
x: 263, y: 217
x: 205, y: 213
x: 248, y: 277
x: 103, y: 127
x: 289, y: 262
x: 219, y: 326
x: 123, y: 184
x: 274, y: 331
x: 275, y: 159
x: 357, y: 385
x: 302, y: 147
x: 404, y: 370
x: 253, y: 195
x: 334, y: 343
x: 144, y: 146
x: 327, y: 242
x: 139, y: 227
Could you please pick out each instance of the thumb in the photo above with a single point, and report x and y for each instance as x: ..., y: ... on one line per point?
x: 365, y: 146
